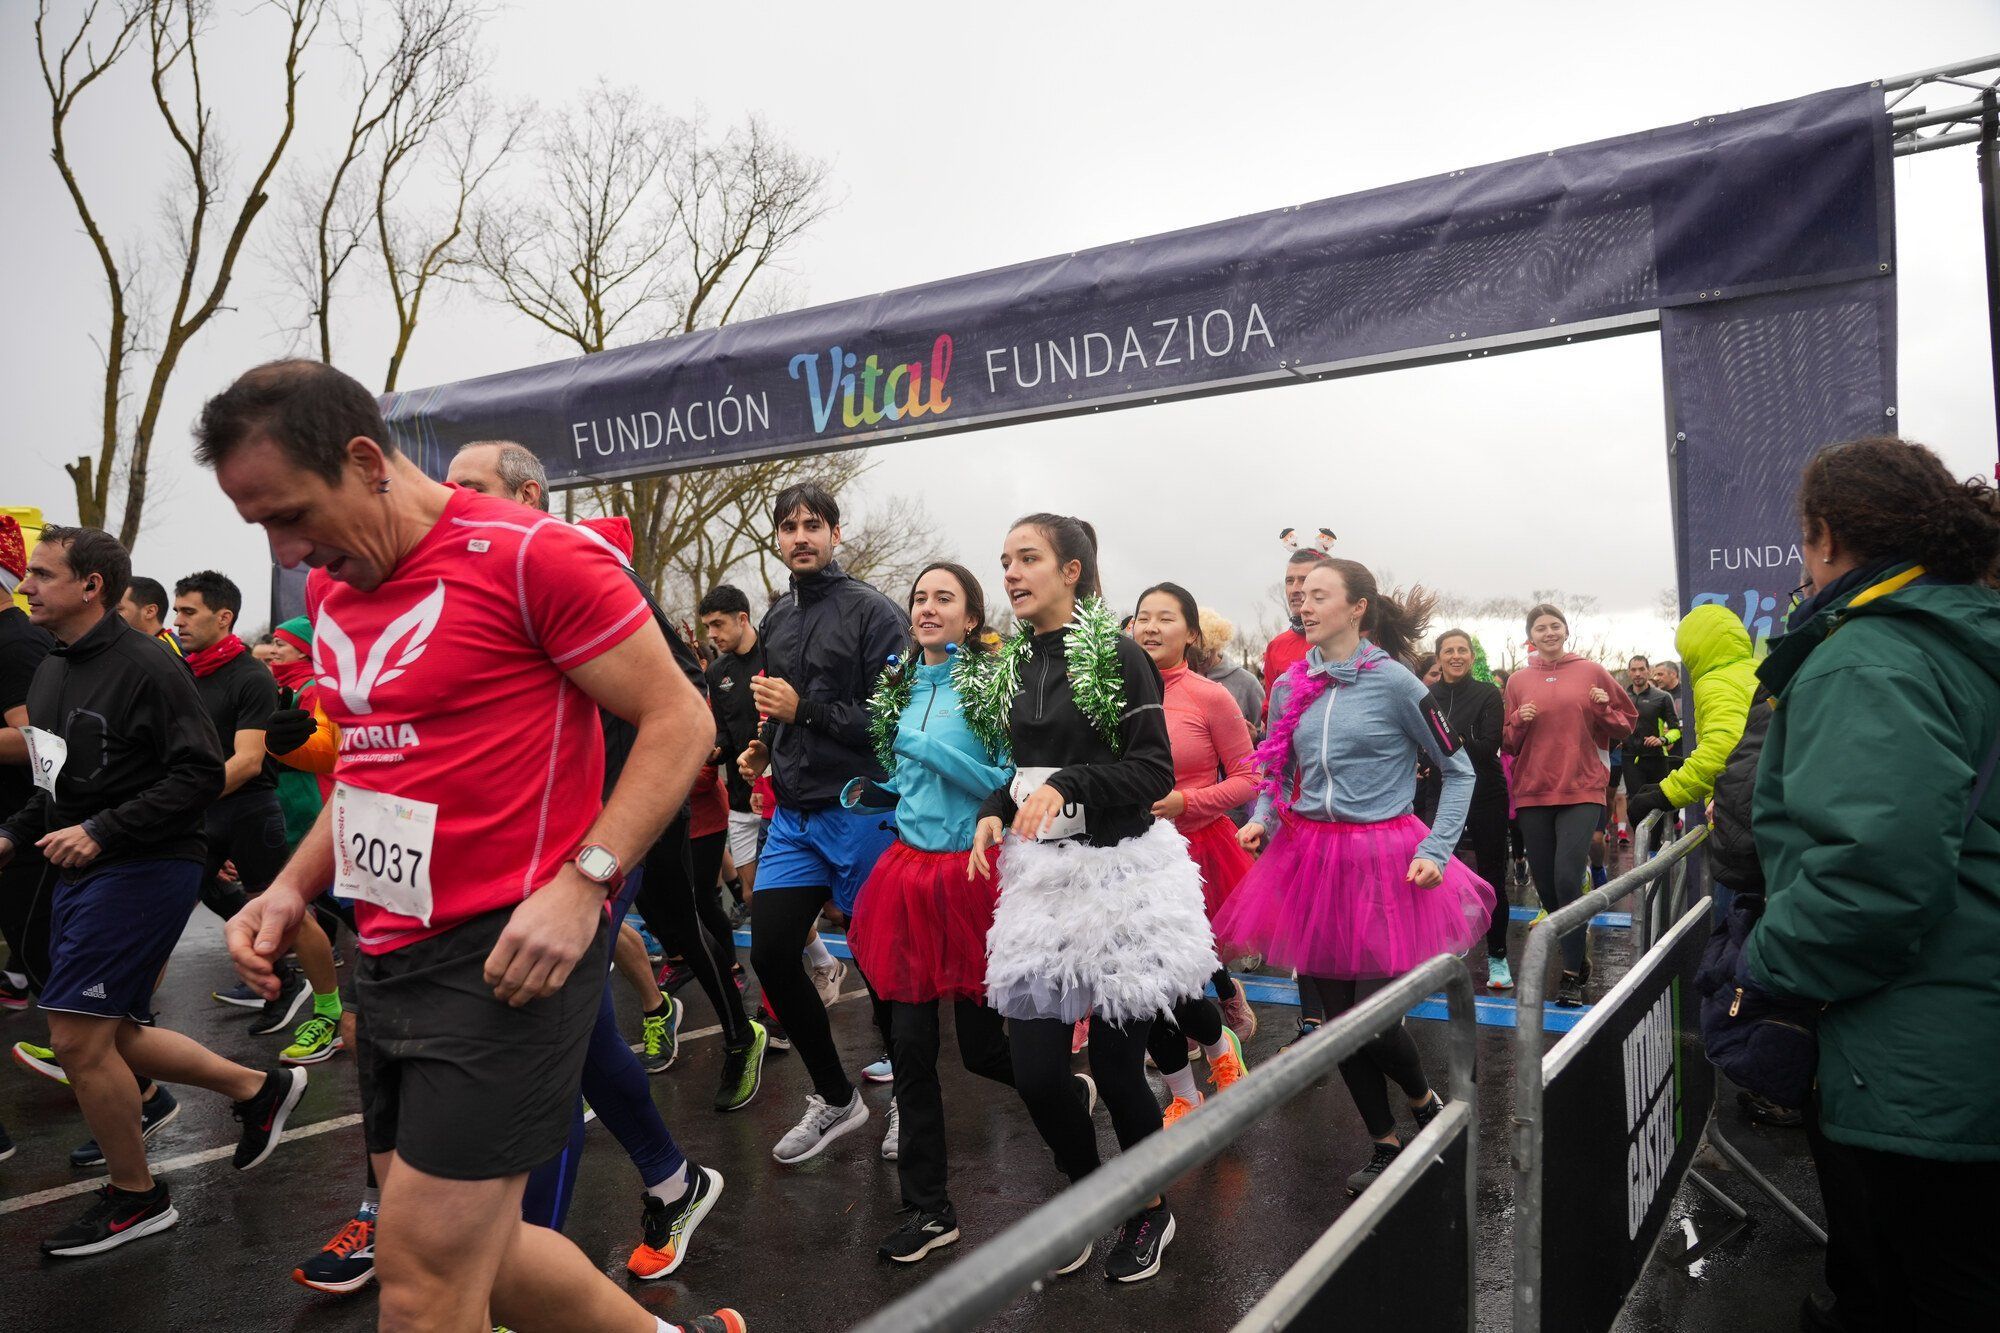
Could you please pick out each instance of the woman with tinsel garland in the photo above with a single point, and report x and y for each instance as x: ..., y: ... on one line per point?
x: 919, y: 929
x: 1100, y: 911
x: 1472, y: 707
x: 1355, y: 890
x: 1212, y: 772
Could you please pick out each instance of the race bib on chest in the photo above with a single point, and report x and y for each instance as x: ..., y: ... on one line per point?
x: 47, y: 752
x: 382, y: 849
x: 1065, y: 823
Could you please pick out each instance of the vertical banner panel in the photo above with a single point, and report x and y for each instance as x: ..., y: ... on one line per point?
x: 1754, y: 388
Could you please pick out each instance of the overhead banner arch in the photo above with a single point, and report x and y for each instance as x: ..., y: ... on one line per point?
x: 1761, y: 243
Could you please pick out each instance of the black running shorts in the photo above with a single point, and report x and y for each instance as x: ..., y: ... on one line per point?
x: 454, y: 1081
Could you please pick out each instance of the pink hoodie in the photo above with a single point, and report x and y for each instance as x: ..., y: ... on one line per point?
x: 1559, y: 757
x: 1212, y: 748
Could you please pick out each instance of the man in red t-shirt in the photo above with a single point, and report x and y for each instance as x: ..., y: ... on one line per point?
x: 1290, y: 645
x: 464, y: 647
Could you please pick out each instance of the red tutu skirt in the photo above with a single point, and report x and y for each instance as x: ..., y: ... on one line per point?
x: 1335, y: 900
x: 919, y: 929
x: 1222, y: 859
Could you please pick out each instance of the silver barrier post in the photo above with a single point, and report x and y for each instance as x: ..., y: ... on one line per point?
x: 1530, y: 989
x: 985, y: 1281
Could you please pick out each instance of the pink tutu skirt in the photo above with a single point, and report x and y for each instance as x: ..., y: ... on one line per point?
x: 919, y: 929
x: 1222, y: 861
x: 1335, y: 900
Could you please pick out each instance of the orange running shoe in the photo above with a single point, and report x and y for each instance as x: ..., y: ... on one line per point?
x: 669, y: 1228
x: 1176, y: 1108
x: 724, y: 1320
x: 1227, y: 1068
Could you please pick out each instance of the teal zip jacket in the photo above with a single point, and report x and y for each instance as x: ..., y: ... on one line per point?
x: 942, y: 772
x: 1884, y: 903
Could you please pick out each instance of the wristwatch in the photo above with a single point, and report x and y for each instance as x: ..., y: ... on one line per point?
x: 599, y: 864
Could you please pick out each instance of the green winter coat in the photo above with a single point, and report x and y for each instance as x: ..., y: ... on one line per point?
x: 1883, y: 902
x: 1715, y: 650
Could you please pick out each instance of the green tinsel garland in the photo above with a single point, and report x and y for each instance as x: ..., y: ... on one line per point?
x: 892, y: 695
x: 1090, y: 650
x: 1480, y: 669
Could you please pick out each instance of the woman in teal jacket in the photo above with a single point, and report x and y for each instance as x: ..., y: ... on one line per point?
x: 1881, y: 852
x: 919, y: 932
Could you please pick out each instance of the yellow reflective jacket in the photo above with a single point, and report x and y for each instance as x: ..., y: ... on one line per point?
x: 1715, y: 654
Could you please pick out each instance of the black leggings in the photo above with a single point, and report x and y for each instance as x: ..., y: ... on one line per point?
x: 247, y: 828
x: 1199, y: 1019
x: 1040, y: 1048
x: 1484, y: 848
x: 1391, y: 1055
x: 781, y: 920
x: 913, y: 1049
x: 1558, y: 838
x: 687, y: 919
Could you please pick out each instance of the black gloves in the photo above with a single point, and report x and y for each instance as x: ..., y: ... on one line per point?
x: 287, y: 730
x: 1650, y: 800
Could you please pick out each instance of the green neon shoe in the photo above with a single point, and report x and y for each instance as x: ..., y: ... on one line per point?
x: 40, y: 1059
x: 315, y: 1040
x: 660, y: 1036
x: 742, y: 1071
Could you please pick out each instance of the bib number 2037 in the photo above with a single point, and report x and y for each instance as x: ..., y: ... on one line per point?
x: 382, y: 849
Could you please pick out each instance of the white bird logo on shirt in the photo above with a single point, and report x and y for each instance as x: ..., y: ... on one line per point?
x: 355, y: 687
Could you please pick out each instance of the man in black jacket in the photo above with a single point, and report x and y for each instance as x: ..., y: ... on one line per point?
x: 124, y: 761
x: 1654, y: 734
x: 825, y: 643
x: 739, y: 659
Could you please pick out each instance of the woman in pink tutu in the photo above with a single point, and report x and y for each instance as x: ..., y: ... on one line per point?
x: 919, y: 930
x: 1355, y: 889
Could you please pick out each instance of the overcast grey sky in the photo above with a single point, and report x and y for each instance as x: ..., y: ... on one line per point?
x: 963, y: 137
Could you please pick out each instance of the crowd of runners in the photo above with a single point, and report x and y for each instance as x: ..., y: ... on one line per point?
x: 486, y: 775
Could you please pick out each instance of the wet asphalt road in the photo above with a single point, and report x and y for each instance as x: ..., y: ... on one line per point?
x: 794, y: 1249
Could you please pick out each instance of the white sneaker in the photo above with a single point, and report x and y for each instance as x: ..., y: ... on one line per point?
x: 1089, y: 1098
x: 826, y: 980
x: 892, y: 1142
x: 820, y: 1125
x: 882, y: 1071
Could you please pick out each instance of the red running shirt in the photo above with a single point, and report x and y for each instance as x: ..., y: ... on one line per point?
x: 447, y: 684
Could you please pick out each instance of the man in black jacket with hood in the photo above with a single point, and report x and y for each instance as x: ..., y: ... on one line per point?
x: 825, y: 643
x: 124, y: 761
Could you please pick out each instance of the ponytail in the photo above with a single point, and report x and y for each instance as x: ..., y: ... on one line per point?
x: 1071, y: 539
x: 1395, y: 622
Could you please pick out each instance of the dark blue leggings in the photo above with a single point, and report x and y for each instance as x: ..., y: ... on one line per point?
x: 617, y: 1089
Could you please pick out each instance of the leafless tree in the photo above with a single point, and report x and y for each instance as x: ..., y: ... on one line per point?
x: 889, y: 542
x: 643, y: 225
x: 143, y: 343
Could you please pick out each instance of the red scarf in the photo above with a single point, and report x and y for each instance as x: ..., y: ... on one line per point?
x: 215, y: 657
x: 293, y: 676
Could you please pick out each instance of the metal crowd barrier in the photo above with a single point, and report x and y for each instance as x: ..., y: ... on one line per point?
x: 984, y: 1282
x: 1663, y: 871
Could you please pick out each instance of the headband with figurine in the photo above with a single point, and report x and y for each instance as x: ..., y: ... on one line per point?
x: 1324, y: 541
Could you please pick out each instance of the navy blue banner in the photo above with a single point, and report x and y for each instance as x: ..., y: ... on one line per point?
x: 1576, y: 241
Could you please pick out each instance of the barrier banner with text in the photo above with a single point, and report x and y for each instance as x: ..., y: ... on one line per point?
x: 1629, y: 1094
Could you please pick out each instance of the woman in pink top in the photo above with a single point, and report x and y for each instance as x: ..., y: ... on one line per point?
x: 1212, y: 775
x: 1564, y: 712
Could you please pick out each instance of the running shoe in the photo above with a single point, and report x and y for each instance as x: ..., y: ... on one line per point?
x: 1384, y: 1154
x: 1499, y: 975
x: 293, y: 995
x: 819, y: 1126
x: 239, y: 995
x: 1762, y: 1110
x: 346, y: 1264
x: 1226, y: 1068
x: 774, y: 1031
x: 826, y: 980
x: 263, y: 1116
x: 742, y: 1071
x: 1569, y: 994
x: 1088, y: 1247
x: 673, y: 975
x: 1142, y: 1243
x: 669, y: 1227
x: 40, y: 1059
x: 1427, y: 1112
x: 154, y: 1112
x: 316, y: 1039
x: 1240, y: 1017
x: 114, y: 1217
x: 926, y: 1230
x: 1088, y: 1086
x: 1306, y: 1029
x: 1079, y: 1037
x: 6, y: 1144
x: 892, y: 1141
x: 724, y: 1320
x: 661, y: 1036
x: 1177, y: 1108
x: 13, y: 995
x: 882, y: 1071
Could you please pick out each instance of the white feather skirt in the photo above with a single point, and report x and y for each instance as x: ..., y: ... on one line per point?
x: 1120, y: 932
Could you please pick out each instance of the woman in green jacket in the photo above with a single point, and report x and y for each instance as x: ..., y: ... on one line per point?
x: 1884, y: 880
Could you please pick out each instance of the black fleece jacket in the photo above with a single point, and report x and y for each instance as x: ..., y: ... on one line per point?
x: 1116, y: 787
x: 144, y: 762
